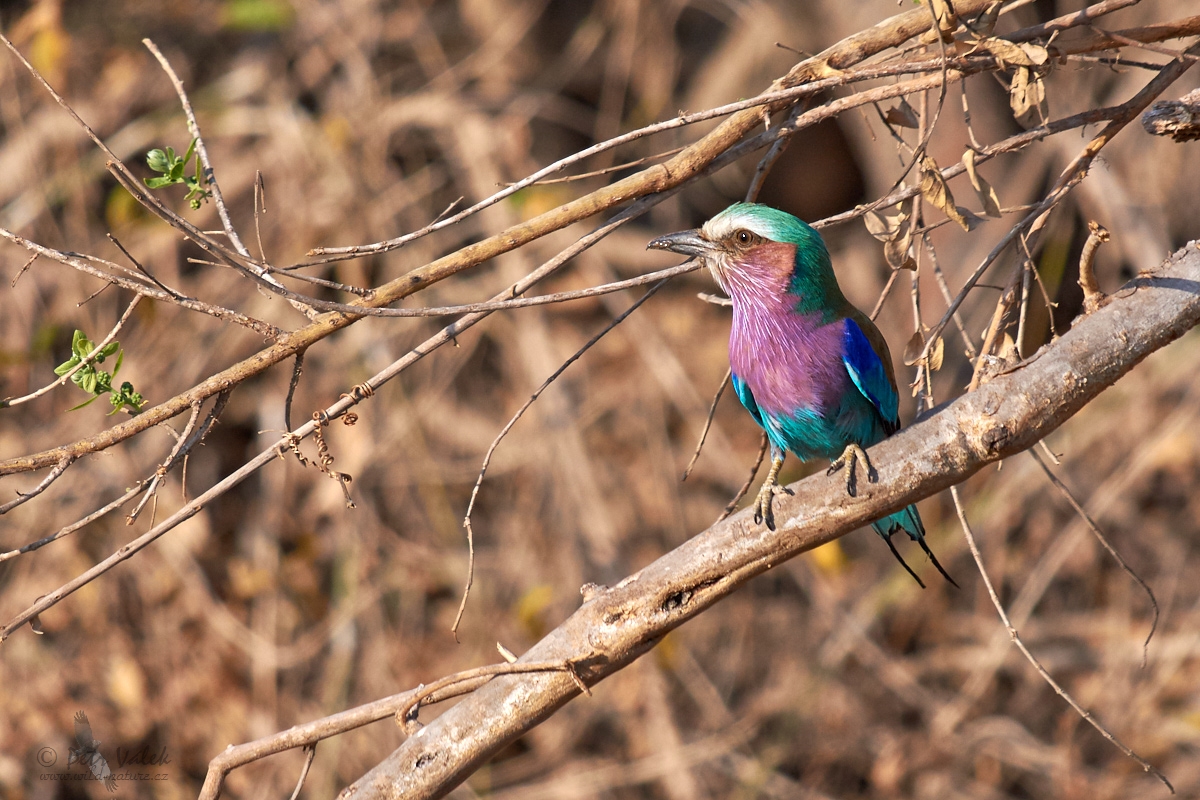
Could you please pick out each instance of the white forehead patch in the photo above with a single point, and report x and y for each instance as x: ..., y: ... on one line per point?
x: 729, y: 221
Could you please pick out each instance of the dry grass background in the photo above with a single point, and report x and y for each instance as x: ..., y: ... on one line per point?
x: 831, y: 676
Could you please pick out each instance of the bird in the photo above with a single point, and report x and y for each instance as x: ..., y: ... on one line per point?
x: 813, y: 371
x: 88, y: 752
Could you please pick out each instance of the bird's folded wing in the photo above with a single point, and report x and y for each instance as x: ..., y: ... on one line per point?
x: 870, y: 375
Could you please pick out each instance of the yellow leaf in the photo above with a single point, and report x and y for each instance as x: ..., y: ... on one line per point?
x: 983, y: 189
x: 1037, y: 54
x: 530, y: 608
x: 47, y: 53
x: 895, y: 231
x: 126, y: 683
x: 830, y: 558
x: 936, y: 353
x: 896, y: 252
x: 916, y: 345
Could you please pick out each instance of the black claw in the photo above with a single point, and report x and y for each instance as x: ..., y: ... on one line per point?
x: 933, y: 558
x: 896, y: 553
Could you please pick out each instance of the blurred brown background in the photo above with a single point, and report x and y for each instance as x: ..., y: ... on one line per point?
x: 831, y: 676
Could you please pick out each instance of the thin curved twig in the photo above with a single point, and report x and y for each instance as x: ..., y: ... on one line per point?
x: 712, y: 412
x: 179, y: 451
x: 210, y: 175
x: 25, y: 497
x: 692, y: 161
x: 308, y: 734
x: 1046, y: 676
x: 88, y: 359
x: 1069, y: 496
x: 732, y: 505
x: 487, y: 458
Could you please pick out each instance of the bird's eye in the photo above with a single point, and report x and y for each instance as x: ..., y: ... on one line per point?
x: 743, y: 237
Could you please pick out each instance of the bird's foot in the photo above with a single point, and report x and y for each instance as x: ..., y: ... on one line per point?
x: 848, y: 460
x: 762, y: 505
x: 766, y: 495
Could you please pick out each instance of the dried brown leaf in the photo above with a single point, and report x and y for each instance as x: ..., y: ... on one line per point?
x: 902, y: 115
x: 985, y: 22
x: 936, y: 353
x: 947, y: 20
x: 895, y: 231
x: 896, y: 251
x: 983, y: 189
x: 916, y: 345
x: 1005, y: 52
x: 937, y: 192
x: 1027, y: 94
x: 912, y: 350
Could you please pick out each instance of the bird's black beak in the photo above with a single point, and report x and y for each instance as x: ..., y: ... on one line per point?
x: 688, y: 243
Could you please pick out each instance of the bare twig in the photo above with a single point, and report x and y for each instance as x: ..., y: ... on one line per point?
x: 148, y: 289
x: 210, y: 176
x: 1069, y: 496
x: 309, y: 734
x: 617, y: 625
x: 25, y: 497
x: 66, y: 376
x: 181, y: 442
x: 1016, y: 639
x: 182, y: 448
x: 310, y: 752
x: 1093, y: 298
x: 732, y: 505
x: 487, y: 457
x: 712, y: 412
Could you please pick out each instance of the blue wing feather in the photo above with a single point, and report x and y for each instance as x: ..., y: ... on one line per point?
x: 870, y: 376
x: 747, y: 397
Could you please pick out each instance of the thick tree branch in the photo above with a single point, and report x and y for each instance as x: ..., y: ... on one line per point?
x: 615, y: 626
x: 692, y: 161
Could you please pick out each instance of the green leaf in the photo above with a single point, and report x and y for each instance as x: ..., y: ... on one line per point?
x: 191, y: 149
x: 120, y: 358
x: 87, y: 402
x: 109, y: 349
x: 87, y: 380
x: 66, y: 366
x: 157, y: 160
x: 256, y: 15
x: 80, y: 345
x: 157, y: 183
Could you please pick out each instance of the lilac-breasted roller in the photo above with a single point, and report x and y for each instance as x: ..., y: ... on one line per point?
x: 813, y: 370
